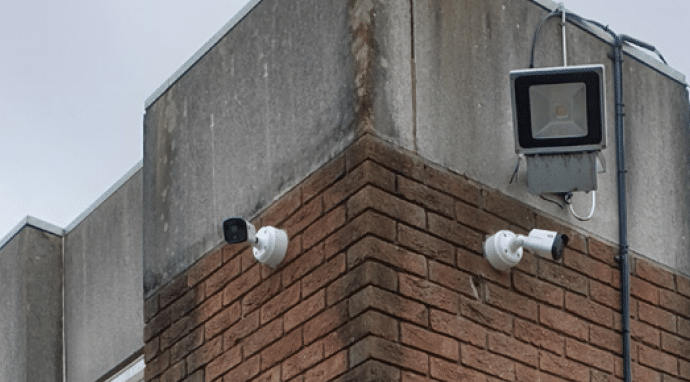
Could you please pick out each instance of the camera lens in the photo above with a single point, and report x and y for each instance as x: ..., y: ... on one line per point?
x: 235, y: 230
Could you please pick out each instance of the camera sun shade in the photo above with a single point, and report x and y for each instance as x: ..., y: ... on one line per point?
x: 558, y: 110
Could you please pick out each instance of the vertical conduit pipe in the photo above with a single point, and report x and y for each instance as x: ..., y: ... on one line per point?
x: 622, y: 205
x: 623, y: 263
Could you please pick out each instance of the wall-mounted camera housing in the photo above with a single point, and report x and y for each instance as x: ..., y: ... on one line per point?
x: 503, y: 250
x: 238, y: 230
x: 547, y: 244
x: 269, y: 244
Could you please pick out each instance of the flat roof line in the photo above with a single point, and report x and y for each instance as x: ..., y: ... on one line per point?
x: 633, y: 51
x: 550, y: 5
x: 55, y: 230
x: 109, y: 192
x: 35, y: 223
x: 201, y: 52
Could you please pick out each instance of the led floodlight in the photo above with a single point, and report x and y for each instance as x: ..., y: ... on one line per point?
x: 558, y: 110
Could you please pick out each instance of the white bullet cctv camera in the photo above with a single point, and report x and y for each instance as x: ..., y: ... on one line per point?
x: 504, y: 249
x: 269, y: 244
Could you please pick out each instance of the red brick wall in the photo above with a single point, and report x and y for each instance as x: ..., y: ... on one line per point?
x: 384, y: 281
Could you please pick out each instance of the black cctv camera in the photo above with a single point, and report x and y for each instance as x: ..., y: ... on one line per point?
x: 238, y: 230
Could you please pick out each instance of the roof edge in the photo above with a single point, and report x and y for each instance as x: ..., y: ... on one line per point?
x: 36, y: 223
x: 57, y: 231
x: 201, y: 52
x: 631, y: 50
x: 547, y: 4
x: 108, y: 193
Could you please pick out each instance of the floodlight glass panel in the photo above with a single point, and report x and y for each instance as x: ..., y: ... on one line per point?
x: 559, y: 110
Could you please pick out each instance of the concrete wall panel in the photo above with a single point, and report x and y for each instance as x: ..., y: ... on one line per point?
x: 31, y: 307
x: 12, y: 321
x: 393, y: 70
x: 464, y: 51
x: 271, y: 102
x: 103, y: 278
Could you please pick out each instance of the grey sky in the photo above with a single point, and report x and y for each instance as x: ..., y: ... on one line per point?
x: 662, y: 23
x: 74, y: 76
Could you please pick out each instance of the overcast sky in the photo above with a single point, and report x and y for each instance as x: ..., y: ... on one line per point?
x: 74, y: 76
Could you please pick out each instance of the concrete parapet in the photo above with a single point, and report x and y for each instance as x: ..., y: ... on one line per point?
x: 31, y: 305
x: 294, y: 82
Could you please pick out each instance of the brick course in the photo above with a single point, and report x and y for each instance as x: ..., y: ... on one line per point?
x: 384, y: 280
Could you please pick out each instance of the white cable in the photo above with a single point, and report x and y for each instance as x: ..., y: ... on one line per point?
x: 591, y: 211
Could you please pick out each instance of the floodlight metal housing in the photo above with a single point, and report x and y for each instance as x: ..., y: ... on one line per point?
x: 559, y: 110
